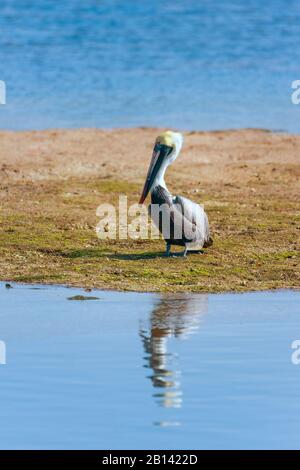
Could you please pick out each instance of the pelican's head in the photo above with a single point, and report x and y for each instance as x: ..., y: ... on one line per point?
x: 166, y: 149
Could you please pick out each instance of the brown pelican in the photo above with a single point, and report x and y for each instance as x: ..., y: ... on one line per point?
x: 181, y: 221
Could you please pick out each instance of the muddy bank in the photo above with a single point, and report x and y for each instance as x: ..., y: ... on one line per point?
x: 52, y: 182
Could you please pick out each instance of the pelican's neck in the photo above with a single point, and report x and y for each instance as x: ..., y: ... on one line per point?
x: 160, y: 177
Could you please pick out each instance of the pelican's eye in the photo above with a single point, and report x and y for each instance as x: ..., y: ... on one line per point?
x: 163, y: 149
x: 167, y: 149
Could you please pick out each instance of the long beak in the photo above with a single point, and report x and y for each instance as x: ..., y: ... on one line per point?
x: 158, y: 156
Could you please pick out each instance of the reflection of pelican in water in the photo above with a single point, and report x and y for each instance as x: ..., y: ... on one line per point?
x: 174, y: 316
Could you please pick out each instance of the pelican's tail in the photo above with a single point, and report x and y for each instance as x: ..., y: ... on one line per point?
x: 208, y: 242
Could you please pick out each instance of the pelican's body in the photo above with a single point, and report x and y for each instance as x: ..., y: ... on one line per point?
x: 180, y: 220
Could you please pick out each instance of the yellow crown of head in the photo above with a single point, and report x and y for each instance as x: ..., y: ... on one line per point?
x: 166, y: 138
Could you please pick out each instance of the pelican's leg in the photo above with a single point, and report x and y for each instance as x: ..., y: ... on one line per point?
x: 181, y: 254
x: 184, y: 252
x: 168, y: 249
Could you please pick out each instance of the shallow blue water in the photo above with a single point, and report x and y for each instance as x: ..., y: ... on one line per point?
x: 148, y: 371
x: 110, y: 63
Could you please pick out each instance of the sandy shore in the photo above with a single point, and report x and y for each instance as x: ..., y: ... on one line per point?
x: 52, y: 182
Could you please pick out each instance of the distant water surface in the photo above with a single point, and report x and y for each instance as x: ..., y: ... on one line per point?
x: 115, y: 63
x: 132, y: 370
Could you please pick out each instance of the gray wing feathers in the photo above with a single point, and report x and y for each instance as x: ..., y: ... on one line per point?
x: 196, y: 226
x: 187, y: 222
